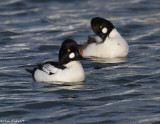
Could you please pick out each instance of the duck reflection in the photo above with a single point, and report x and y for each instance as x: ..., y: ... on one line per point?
x: 107, y: 60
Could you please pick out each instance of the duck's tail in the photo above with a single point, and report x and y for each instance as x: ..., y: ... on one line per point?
x: 32, y: 72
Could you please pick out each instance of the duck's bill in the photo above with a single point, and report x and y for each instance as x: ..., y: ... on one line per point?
x: 79, y: 57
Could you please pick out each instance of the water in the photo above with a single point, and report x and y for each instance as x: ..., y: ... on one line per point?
x: 115, y: 91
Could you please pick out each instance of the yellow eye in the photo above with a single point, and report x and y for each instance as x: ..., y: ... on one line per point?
x: 100, y: 26
x: 69, y: 50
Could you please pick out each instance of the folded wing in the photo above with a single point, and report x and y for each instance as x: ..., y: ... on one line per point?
x: 51, y: 67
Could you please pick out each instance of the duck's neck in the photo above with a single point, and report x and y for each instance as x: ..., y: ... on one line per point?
x: 114, y: 33
x: 72, y: 64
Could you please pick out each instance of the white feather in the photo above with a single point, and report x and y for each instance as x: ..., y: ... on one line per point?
x: 50, y: 68
x: 71, y: 55
x: 98, y: 39
x: 104, y: 30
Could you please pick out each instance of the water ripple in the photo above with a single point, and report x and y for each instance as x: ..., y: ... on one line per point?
x: 121, y: 90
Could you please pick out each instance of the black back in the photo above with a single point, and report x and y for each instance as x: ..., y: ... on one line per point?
x: 55, y: 64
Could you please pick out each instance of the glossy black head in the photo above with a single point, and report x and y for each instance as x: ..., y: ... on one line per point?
x: 101, y: 27
x: 69, y: 51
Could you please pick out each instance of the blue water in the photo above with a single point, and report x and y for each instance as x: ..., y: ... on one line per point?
x: 122, y: 91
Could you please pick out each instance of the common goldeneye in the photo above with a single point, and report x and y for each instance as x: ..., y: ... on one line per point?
x: 68, y: 69
x: 109, y: 44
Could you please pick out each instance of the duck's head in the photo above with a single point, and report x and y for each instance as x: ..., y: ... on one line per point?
x: 69, y: 51
x: 101, y: 27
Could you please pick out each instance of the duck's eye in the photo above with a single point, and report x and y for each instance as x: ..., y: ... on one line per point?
x: 100, y: 26
x: 69, y: 50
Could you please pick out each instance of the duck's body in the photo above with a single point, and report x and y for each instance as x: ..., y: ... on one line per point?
x: 72, y: 72
x: 110, y: 43
x: 68, y: 69
x: 113, y: 46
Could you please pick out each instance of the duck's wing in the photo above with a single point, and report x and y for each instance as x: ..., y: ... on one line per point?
x: 51, y: 67
x: 48, y: 67
x: 89, y: 41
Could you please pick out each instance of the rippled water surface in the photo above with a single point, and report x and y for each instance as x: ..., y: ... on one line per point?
x: 115, y: 91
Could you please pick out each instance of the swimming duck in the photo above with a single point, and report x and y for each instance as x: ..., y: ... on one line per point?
x: 67, y: 69
x: 109, y: 44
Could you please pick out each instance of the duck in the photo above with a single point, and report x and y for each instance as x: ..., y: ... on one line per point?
x: 67, y: 69
x: 108, y: 44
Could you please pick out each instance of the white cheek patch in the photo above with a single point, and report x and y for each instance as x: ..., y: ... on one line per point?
x: 104, y: 30
x: 71, y: 56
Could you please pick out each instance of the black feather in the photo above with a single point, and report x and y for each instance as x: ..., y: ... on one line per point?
x: 32, y: 72
x: 89, y: 41
x: 55, y: 64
